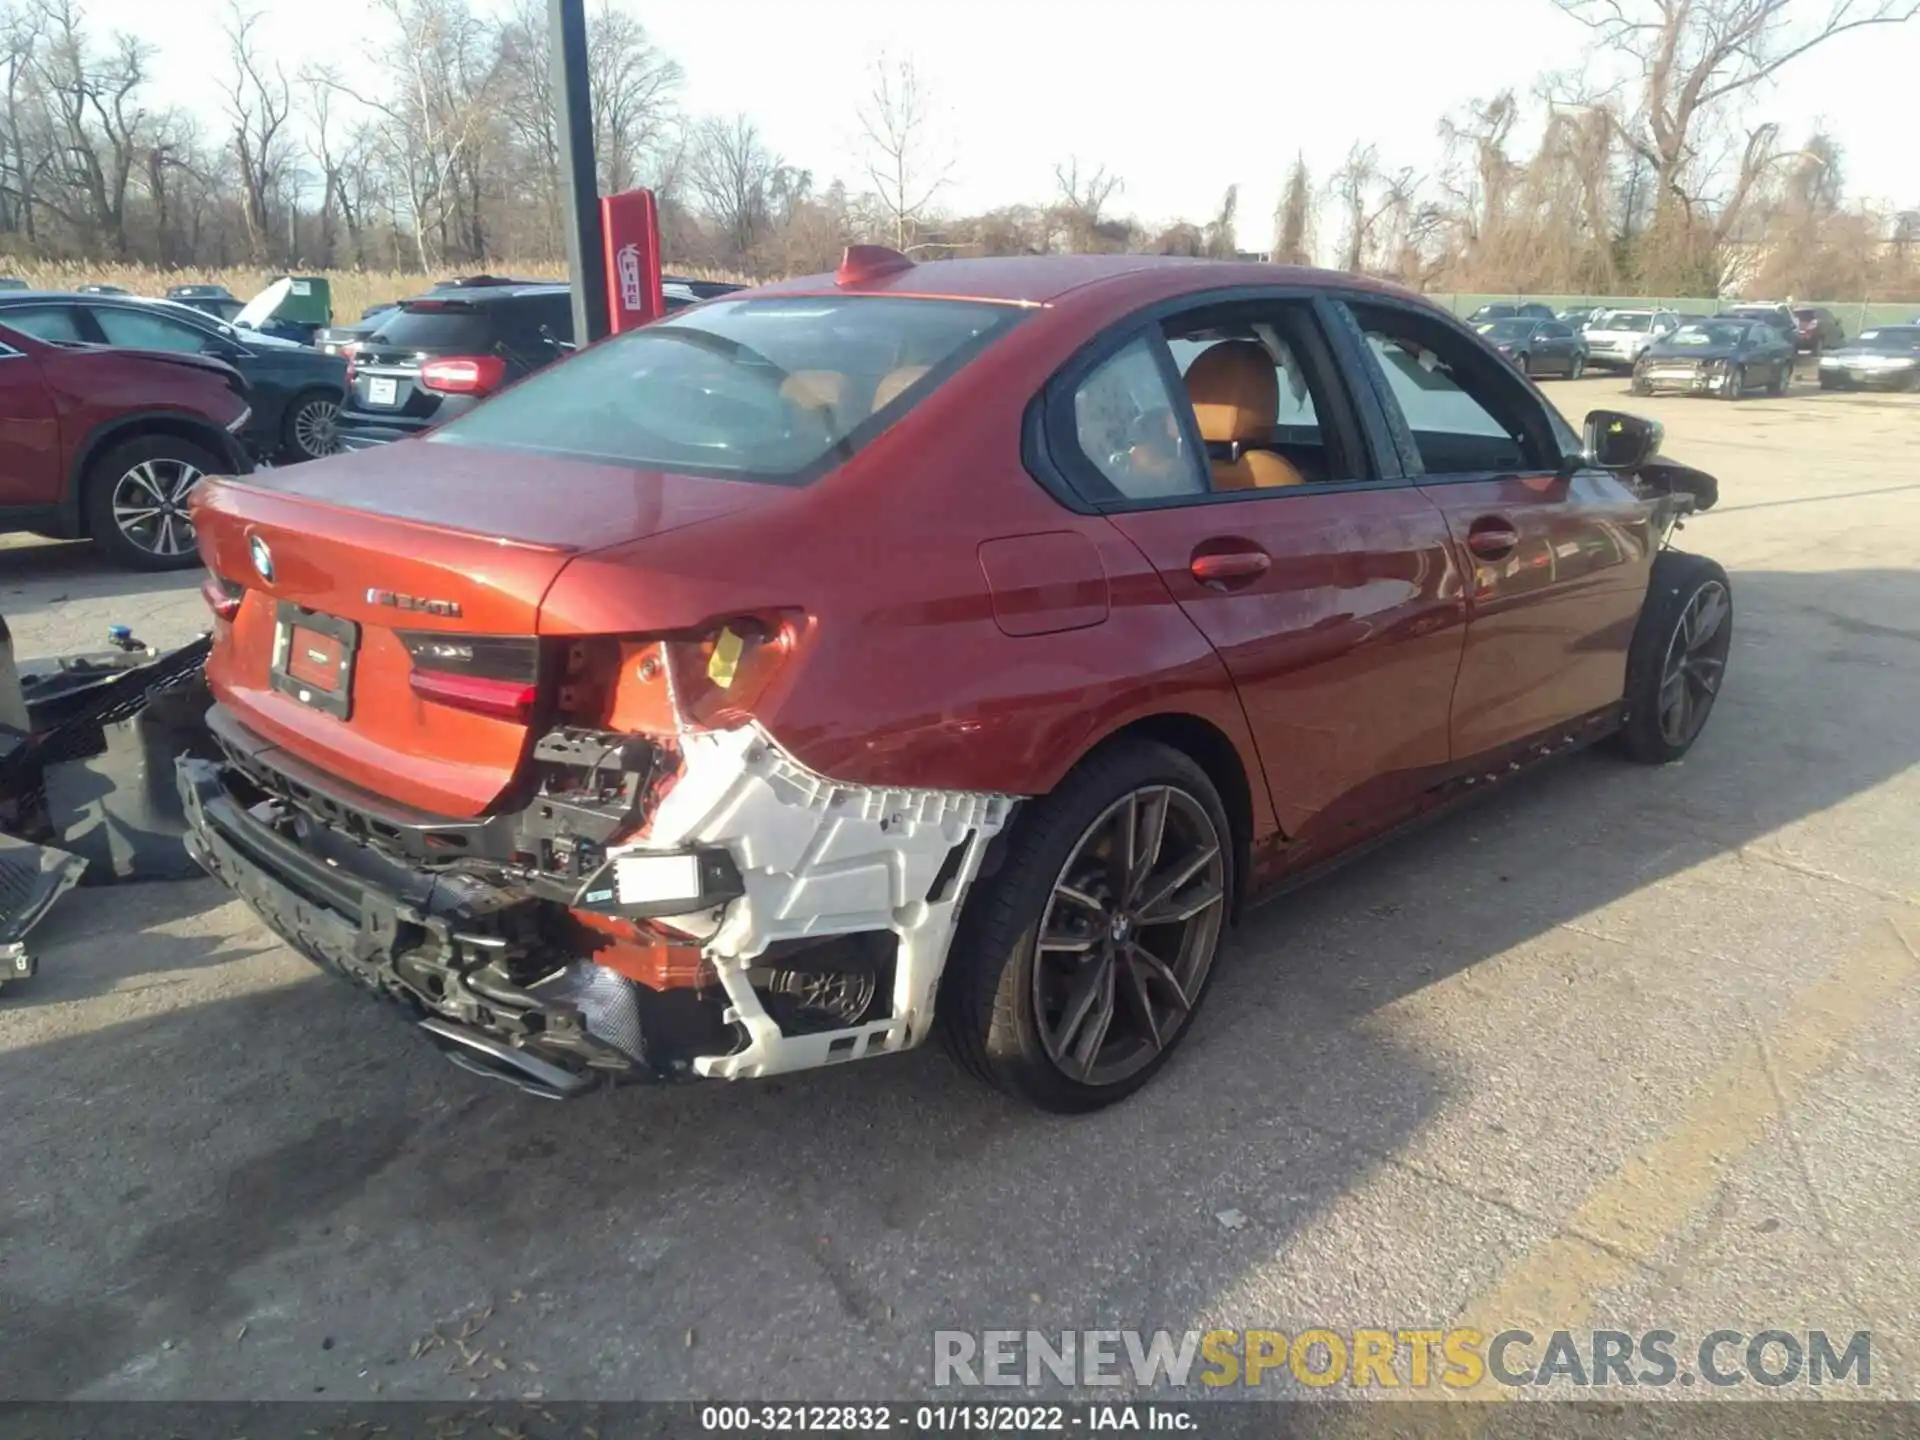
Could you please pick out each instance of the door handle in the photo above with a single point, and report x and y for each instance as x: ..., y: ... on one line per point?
x: 1492, y: 538
x: 1224, y: 570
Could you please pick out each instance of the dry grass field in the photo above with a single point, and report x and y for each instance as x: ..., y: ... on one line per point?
x: 353, y: 290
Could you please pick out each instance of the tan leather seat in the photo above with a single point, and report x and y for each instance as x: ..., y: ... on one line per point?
x: 894, y: 382
x: 818, y: 390
x: 1235, y: 392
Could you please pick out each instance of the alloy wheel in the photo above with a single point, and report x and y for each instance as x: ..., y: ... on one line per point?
x: 1695, y: 664
x: 316, y: 428
x: 1128, y: 934
x: 150, y: 506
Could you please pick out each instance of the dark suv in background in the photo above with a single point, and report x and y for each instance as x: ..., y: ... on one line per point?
x: 440, y: 354
x: 1817, y: 328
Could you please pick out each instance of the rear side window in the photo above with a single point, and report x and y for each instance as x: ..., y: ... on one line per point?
x: 56, y: 323
x: 768, y: 389
x: 435, y: 325
x: 1125, y: 422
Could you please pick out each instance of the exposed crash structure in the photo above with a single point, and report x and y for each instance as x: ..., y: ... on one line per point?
x: 695, y: 904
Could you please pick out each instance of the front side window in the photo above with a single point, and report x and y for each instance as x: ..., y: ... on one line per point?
x: 140, y: 331
x: 766, y: 389
x: 1126, y: 424
x: 1465, y: 414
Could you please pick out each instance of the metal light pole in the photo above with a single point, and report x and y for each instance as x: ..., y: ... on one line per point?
x: 579, y: 178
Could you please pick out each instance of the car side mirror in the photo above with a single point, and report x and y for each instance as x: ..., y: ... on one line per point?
x: 1619, y: 441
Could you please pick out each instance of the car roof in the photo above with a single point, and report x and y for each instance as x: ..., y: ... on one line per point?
x: 186, y: 313
x: 1041, y: 279
x: 485, y: 294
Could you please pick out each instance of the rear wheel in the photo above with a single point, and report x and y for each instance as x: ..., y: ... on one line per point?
x: 1578, y: 368
x: 1525, y: 363
x: 311, y: 429
x: 136, y: 499
x: 1679, y: 657
x: 1080, y: 964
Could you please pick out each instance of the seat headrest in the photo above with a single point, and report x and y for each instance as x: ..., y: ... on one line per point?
x: 1235, y: 392
x: 894, y: 381
x: 815, y: 389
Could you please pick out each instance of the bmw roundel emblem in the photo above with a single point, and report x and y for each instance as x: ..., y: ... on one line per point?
x: 262, y: 558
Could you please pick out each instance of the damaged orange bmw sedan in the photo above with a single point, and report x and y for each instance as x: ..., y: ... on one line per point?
x: 954, y: 646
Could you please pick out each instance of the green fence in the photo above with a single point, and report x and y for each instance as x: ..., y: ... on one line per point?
x: 1855, y: 315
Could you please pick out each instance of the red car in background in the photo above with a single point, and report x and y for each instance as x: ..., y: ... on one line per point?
x: 951, y: 645
x: 109, y: 443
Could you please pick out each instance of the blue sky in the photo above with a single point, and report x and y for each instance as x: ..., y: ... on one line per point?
x: 1180, y: 100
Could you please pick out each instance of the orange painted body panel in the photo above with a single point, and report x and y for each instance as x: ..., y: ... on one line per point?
x: 1551, y: 622
x: 1345, y: 647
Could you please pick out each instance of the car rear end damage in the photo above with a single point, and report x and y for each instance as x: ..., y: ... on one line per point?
x: 699, y: 905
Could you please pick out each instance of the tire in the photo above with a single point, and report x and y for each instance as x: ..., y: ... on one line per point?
x: 995, y: 1015
x: 1524, y: 363
x: 1681, y: 596
x: 162, y: 469
x: 1637, y: 386
x: 1736, y: 383
x: 1578, y: 368
x: 310, y: 430
x: 1781, y: 381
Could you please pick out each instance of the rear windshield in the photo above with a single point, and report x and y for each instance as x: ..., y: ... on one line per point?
x: 1507, y: 329
x: 1621, y: 320
x: 435, y: 326
x: 763, y: 389
x: 1724, y: 332
x: 1891, y: 337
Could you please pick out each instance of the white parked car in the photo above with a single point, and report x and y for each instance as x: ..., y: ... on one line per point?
x: 1616, y: 338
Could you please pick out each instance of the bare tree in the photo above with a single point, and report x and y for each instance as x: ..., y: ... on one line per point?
x: 731, y: 172
x: 1082, y: 205
x: 1221, y: 242
x: 98, y: 125
x: 634, y: 90
x: 1293, y: 219
x: 904, y: 159
x: 259, y: 102
x: 1691, y: 64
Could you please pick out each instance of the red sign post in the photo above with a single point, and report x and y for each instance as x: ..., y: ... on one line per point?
x: 630, y: 223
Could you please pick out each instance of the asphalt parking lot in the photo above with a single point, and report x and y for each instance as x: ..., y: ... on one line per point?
x: 1620, y: 1047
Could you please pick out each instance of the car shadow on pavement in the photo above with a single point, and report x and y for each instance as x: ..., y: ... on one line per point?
x: 41, y: 577
x: 291, y: 1165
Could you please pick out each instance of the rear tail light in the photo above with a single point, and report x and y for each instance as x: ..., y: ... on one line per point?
x: 714, y: 679
x: 464, y: 374
x: 223, y: 596
x: 352, y: 351
x: 495, y: 675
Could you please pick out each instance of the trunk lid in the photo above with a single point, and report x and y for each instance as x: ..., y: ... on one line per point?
x: 410, y: 541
